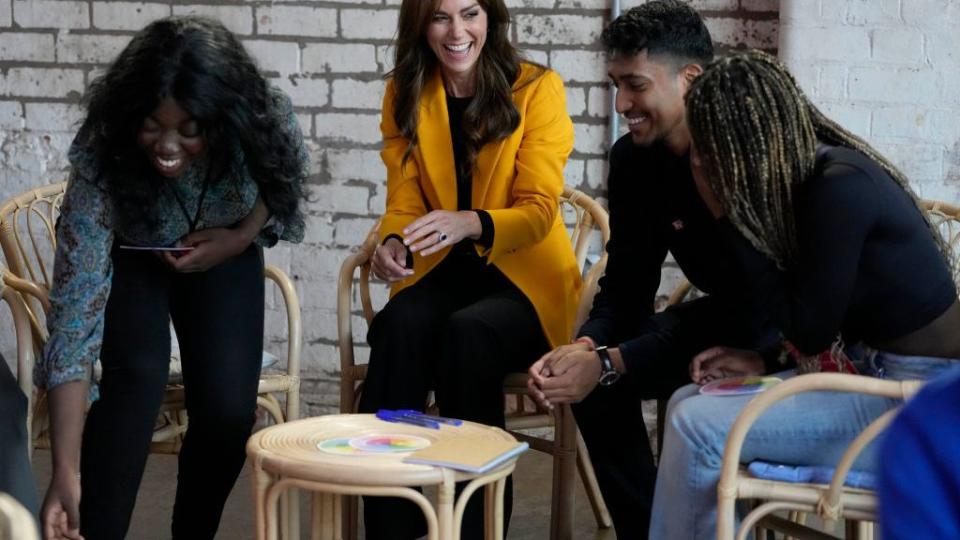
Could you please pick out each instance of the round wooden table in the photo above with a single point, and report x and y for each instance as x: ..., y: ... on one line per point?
x: 286, y: 456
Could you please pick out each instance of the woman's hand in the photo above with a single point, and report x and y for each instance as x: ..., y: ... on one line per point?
x: 210, y: 248
x: 213, y: 246
x: 389, y: 261
x: 722, y: 362
x: 441, y: 228
x: 60, y: 515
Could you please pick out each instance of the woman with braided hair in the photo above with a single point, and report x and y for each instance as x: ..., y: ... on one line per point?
x: 832, y: 244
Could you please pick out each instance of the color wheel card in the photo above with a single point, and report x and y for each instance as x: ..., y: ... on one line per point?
x: 739, y: 386
x: 389, y: 444
x: 340, y: 447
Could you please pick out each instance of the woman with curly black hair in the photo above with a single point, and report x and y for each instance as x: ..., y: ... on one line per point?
x: 188, y: 152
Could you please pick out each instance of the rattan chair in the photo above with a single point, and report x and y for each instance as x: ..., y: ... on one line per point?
x: 946, y: 218
x: 589, y: 224
x: 26, y: 352
x: 831, y: 502
x: 834, y: 501
x: 16, y: 523
x: 28, y: 241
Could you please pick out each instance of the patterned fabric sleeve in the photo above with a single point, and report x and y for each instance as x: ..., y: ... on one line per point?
x: 292, y: 228
x: 82, y: 274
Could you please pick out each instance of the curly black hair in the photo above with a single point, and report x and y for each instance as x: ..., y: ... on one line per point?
x: 207, y: 71
x: 668, y: 28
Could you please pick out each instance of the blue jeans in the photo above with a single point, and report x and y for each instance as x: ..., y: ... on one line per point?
x: 813, y: 428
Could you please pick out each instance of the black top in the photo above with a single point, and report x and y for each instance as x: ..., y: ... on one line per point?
x: 655, y: 207
x: 456, y: 106
x: 868, y: 265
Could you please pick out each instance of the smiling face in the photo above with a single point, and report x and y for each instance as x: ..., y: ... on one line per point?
x: 456, y: 34
x: 171, y: 139
x: 650, y: 96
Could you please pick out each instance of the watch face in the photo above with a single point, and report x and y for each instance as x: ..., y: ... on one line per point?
x: 609, y: 377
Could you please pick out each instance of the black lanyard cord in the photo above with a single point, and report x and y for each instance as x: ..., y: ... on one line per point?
x: 183, y: 207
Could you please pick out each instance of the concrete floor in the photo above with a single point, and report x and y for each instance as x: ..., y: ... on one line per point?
x: 151, y: 518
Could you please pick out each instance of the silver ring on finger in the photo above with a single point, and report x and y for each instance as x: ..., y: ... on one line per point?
x: 443, y: 237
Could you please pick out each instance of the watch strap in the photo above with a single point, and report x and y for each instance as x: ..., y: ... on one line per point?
x: 608, y: 373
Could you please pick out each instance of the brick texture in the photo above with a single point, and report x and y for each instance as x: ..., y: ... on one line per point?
x: 330, y: 56
x: 889, y: 70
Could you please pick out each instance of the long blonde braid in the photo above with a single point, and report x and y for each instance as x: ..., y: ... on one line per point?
x: 757, y: 134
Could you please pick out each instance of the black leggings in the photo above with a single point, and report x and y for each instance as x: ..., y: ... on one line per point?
x: 458, y: 331
x: 218, y: 317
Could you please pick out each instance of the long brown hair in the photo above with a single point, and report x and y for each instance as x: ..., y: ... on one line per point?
x: 491, y: 114
x: 757, y: 134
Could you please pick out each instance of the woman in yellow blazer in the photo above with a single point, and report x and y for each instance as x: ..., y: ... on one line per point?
x: 484, y: 279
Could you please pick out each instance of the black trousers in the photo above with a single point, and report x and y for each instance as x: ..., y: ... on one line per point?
x: 458, y: 331
x: 16, y: 476
x: 218, y: 316
x: 610, y: 418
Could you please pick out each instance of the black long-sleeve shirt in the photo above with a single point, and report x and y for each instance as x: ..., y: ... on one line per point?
x: 868, y: 266
x: 456, y: 106
x: 655, y: 208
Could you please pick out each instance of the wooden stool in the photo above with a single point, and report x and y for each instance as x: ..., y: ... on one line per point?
x: 286, y: 456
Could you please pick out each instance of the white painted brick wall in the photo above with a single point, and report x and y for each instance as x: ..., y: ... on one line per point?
x: 355, y: 94
x: 297, y: 21
x: 340, y: 58
x: 350, y: 128
x: 330, y: 56
x: 51, y: 14
x: 6, y: 13
x: 237, y: 18
x: 889, y: 70
x: 559, y: 29
x: 11, y: 115
x: 305, y: 90
x: 368, y: 23
x: 131, y: 16
x: 89, y: 49
x: 275, y: 56
x: 27, y: 47
x: 58, y: 117
x: 41, y: 82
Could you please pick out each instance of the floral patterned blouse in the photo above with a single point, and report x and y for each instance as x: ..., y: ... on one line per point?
x: 86, y: 232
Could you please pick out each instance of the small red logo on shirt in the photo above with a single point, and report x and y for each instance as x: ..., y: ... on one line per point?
x: 678, y: 225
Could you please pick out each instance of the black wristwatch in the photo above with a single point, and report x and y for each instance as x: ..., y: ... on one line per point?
x: 608, y: 374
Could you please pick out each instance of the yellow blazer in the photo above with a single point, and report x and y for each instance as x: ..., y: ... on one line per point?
x: 518, y: 180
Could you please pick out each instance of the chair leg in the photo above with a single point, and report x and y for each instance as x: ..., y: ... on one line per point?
x: 600, y: 511
x: 800, y: 518
x: 859, y: 530
x: 661, y: 425
x: 564, y: 469
x: 350, y: 510
x: 293, y: 512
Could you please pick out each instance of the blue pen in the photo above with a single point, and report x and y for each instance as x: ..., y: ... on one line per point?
x: 393, y: 416
x: 417, y: 414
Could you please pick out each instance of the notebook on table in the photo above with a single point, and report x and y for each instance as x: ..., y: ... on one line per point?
x: 467, y: 453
